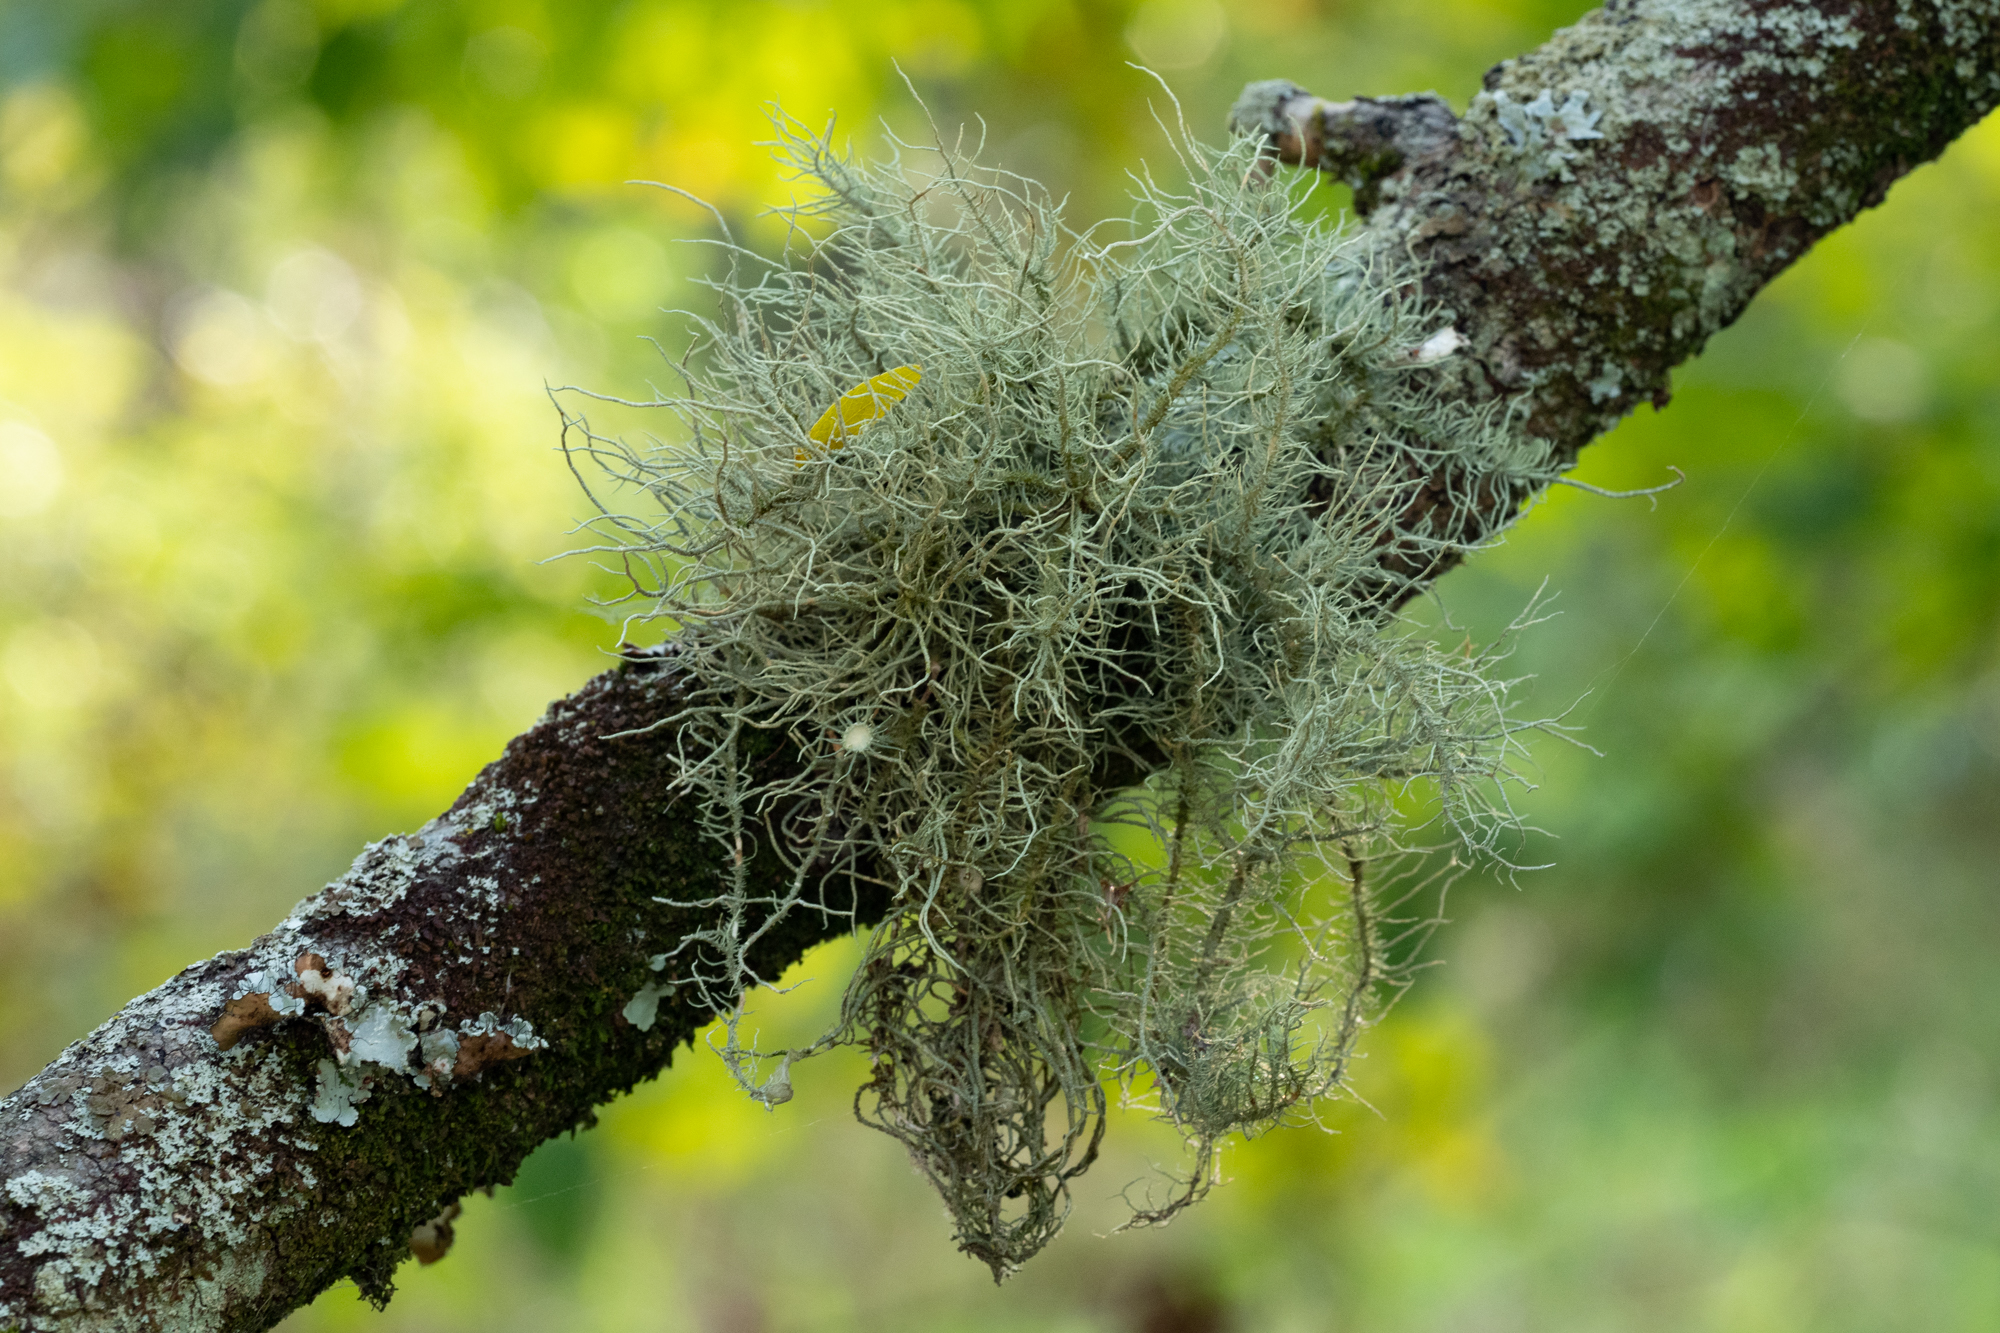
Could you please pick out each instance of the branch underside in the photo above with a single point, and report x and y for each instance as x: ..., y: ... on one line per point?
x: 1605, y: 205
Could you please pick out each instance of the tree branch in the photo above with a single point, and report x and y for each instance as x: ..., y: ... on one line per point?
x: 1605, y: 204
x: 1612, y: 199
x: 153, y: 1179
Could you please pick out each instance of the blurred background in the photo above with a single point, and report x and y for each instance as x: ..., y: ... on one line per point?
x: 281, y: 288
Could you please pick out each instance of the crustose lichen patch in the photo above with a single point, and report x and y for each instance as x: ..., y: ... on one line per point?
x: 1085, y: 645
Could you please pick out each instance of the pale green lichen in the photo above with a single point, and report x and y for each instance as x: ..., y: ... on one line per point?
x: 1543, y: 132
x: 643, y: 1009
x: 340, y: 1090
x: 203, y: 1167
x: 382, y: 1036
x: 1760, y: 169
x: 517, y: 1029
x: 1131, y: 518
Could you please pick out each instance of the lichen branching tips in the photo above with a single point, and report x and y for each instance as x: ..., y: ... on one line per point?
x: 1085, y: 651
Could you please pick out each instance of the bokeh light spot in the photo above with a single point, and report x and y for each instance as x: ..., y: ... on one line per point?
x: 1884, y: 381
x: 31, y: 470
x: 1177, y: 34
x: 222, y: 338
x: 620, y: 274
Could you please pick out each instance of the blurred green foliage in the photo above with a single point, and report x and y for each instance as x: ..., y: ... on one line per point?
x: 280, y: 286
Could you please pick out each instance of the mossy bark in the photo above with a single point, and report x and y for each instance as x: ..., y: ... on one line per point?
x: 151, y: 1179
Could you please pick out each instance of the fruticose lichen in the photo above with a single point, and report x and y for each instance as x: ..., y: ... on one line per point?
x: 1085, y: 645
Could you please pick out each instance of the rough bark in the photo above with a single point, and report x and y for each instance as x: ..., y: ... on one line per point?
x: 1581, y: 244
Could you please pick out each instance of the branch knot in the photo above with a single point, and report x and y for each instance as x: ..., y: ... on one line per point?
x: 1362, y: 142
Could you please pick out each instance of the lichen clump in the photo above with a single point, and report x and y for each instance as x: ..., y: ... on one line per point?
x: 1084, y: 650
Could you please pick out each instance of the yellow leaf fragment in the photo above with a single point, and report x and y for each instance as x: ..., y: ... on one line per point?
x: 862, y: 404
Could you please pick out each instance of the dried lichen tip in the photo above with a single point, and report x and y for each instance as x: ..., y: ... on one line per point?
x: 866, y: 402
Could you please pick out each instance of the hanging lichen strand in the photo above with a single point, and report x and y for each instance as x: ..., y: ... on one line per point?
x: 1079, y: 635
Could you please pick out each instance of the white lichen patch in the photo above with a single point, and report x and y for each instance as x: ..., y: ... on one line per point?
x: 1437, y: 347
x: 517, y: 1029
x: 383, y: 1036
x: 372, y: 1030
x: 1542, y: 131
x: 486, y: 890
x: 44, y: 1192
x: 152, y: 1135
x: 643, y: 1009
x: 438, y: 1051
x: 1607, y: 384
x: 263, y: 981
x: 341, y: 1088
